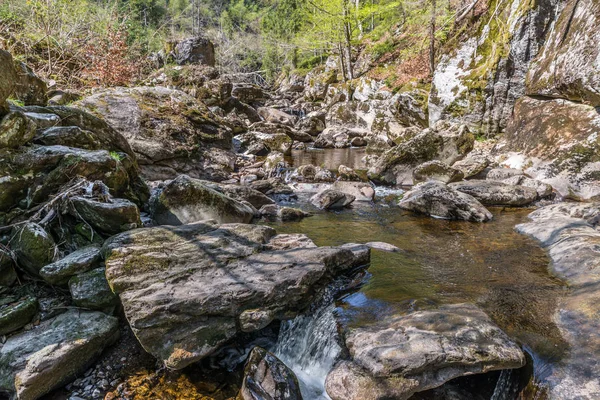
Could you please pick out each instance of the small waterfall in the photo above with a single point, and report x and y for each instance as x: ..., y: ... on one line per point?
x: 308, y: 345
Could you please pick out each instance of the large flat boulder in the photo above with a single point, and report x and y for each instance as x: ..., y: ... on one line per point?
x: 186, y: 200
x: 187, y: 290
x: 440, y: 201
x: 35, y: 362
x: 444, y: 142
x: 418, y: 351
x: 494, y: 193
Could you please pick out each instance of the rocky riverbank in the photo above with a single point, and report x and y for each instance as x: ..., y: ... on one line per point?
x: 140, y: 212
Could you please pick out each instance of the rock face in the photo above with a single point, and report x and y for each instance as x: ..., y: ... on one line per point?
x: 438, y: 200
x: 266, y: 377
x: 185, y: 200
x: 445, y: 143
x: 568, y: 66
x: 186, y: 290
x: 38, y: 361
x: 419, y: 351
x: 331, y: 199
x: 197, y: 50
x: 558, y: 143
x: 567, y: 232
x: 493, y: 193
x: 170, y: 132
x: 483, y: 72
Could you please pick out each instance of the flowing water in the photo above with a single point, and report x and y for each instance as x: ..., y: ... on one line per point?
x: 440, y: 262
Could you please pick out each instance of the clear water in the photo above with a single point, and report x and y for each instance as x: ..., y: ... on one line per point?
x: 442, y: 262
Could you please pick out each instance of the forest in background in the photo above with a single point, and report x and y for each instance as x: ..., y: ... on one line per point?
x: 84, y: 43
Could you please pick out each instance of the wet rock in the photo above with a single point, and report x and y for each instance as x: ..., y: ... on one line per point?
x: 361, y: 253
x: 197, y: 50
x: 390, y: 248
x: 358, y: 142
x: 90, y: 290
x: 493, y: 193
x: 419, y: 351
x: 16, y: 315
x: 347, y: 174
x: 187, y: 264
x: 277, y: 116
x: 290, y: 241
x: 82, y: 260
x: 330, y: 199
x: 291, y: 214
x: 16, y: 130
x: 437, y: 171
x: 185, y: 200
x: 111, y: 217
x: 242, y: 193
x: 266, y: 377
x: 307, y: 172
x: 500, y: 174
x: 33, y: 247
x: 261, y: 144
x: 472, y: 165
x: 324, y: 175
x: 565, y: 230
x: 362, y: 191
x: 438, y: 200
x: 445, y: 143
x: 8, y: 274
x: 38, y: 361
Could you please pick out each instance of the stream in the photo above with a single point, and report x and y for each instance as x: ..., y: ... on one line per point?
x: 440, y: 262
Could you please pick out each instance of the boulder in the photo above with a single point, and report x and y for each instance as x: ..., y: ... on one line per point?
x: 114, y: 216
x: 185, y: 200
x: 330, y: 199
x: 242, y: 193
x: 437, y: 171
x: 307, y: 172
x: 347, y: 174
x: 291, y: 214
x: 170, y: 131
x: 543, y: 190
x: 418, y: 351
x: 29, y: 88
x: 35, y: 362
x: 196, y: 50
x: 277, y: 116
x: 333, y: 137
x: 472, y: 165
x: 71, y: 136
x: 440, y: 201
x: 16, y: 315
x: 362, y: 191
x: 500, y: 174
x: 261, y: 144
x: 79, y: 261
x: 16, y: 130
x: 266, y: 377
x: 33, y: 247
x: 184, y: 288
x: 383, y: 246
x: 317, y: 82
x: 8, y: 274
x: 313, y: 124
x: 248, y: 93
x: 443, y: 142
x: 278, y: 128
x: 494, y: 193
x: 7, y: 79
x: 90, y: 290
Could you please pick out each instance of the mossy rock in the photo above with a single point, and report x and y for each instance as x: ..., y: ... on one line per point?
x: 33, y: 247
x: 91, y: 290
x: 17, y: 315
x: 16, y: 130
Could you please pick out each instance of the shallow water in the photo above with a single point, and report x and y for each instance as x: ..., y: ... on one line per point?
x: 329, y: 158
x: 447, y: 262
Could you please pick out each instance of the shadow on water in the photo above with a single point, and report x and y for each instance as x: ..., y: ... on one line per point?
x: 448, y: 262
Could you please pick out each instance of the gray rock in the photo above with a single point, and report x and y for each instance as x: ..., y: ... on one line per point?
x: 184, y: 288
x: 17, y: 315
x: 16, y: 130
x: 438, y: 200
x: 333, y: 137
x: 33, y: 247
x: 332, y: 199
x: 7, y: 79
x: 279, y: 128
x: 38, y: 361
x: 82, y: 260
x: 186, y: 200
x: 90, y: 290
x: 437, y: 171
x: 390, y: 248
x: 472, y: 165
x: 362, y: 191
x: 291, y: 214
x: 312, y: 124
x: 274, y: 115
x: 8, y: 274
x: 196, y: 50
x: 115, y: 216
x: 259, y: 143
x: 418, y: 351
x: 500, y: 174
x: 248, y: 93
x: 446, y: 143
x: 43, y: 120
x: 30, y: 89
x: 493, y: 193
x: 266, y: 377
x: 543, y: 189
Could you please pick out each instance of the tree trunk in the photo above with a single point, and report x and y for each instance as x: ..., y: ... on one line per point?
x: 432, y: 38
x: 342, y: 62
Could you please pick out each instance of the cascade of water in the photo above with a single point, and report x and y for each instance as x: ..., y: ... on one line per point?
x: 308, y: 345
